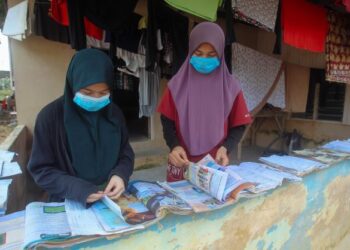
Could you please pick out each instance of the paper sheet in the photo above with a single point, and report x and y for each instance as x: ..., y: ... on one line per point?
x: 82, y: 221
x: 292, y: 164
x: 264, y: 177
x: 45, y: 221
x: 9, y: 169
x: 12, y: 230
x: 6, y: 156
x: 4, y: 185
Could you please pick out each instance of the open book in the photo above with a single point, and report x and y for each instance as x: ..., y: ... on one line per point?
x: 207, y: 186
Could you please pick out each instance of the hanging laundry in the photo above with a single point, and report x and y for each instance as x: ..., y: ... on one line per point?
x: 76, y: 26
x: 148, y: 86
x: 205, y: 9
x: 148, y: 91
x: 336, y: 5
x: 3, y: 11
x: 304, y: 25
x: 15, y: 25
x: 59, y: 12
x: 92, y: 42
x: 256, y: 73
x: 260, y: 13
x: 109, y: 14
x: 128, y: 37
x: 45, y: 26
x: 133, y: 62
x: 160, y: 16
x: 347, y: 5
x: 277, y: 49
x: 338, y: 48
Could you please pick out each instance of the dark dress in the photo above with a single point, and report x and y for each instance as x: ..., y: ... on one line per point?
x: 50, y: 163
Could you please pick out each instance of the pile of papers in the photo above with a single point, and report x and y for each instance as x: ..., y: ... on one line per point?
x: 341, y: 146
x: 291, y: 164
x: 7, y: 170
x: 264, y: 177
x: 323, y: 155
x: 208, y: 186
x: 12, y: 230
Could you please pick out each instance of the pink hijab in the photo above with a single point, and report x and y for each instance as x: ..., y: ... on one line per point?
x: 204, y: 102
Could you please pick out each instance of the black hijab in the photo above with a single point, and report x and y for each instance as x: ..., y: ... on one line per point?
x: 94, y: 138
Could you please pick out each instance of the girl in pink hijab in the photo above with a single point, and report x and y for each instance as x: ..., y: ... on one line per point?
x: 203, y: 109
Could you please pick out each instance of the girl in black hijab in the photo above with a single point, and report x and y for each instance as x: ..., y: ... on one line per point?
x: 80, y: 139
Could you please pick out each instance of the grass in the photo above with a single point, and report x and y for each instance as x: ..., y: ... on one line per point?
x: 4, y: 93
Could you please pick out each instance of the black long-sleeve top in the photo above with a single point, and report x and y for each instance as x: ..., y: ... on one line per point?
x: 171, y: 139
x: 50, y: 163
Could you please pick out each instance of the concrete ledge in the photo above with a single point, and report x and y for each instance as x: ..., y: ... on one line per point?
x: 312, y: 214
x: 17, y: 142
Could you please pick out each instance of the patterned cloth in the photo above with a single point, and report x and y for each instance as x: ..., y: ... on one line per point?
x: 338, y: 48
x: 256, y: 73
x: 260, y: 13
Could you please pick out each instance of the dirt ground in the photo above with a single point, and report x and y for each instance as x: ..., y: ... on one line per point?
x: 5, y: 130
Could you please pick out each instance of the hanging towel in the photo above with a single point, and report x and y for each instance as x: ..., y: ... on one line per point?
x: 260, y: 13
x: 338, y: 48
x: 304, y: 25
x: 205, y: 9
x: 16, y: 21
x: 256, y: 72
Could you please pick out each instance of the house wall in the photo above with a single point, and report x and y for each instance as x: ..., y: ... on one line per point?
x: 39, y: 69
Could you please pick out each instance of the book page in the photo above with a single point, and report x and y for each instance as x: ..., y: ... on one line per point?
x: 12, y: 230
x: 156, y: 198
x: 44, y: 222
x: 198, y: 199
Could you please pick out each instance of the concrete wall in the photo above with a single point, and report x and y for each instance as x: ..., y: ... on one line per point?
x: 22, y: 189
x: 308, y: 215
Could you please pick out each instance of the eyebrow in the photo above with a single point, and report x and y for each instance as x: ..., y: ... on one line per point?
x: 212, y: 51
x: 93, y: 90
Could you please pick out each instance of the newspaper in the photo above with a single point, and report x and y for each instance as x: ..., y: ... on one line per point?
x: 6, y: 156
x: 264, y: 177
x: 295, y: 165
x: 208, y: 186
x: 157, y: 199
x: 4, y: 186
x: 326, y: 156
x: 9, y: 169
x: 45, y: 222
x: 229, y: 183
x: 198, y: 200
x: 12, y: 231
x: 341, y: 146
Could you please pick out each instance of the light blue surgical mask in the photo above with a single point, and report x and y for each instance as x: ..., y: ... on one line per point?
x: 204, y: 65
x: 91, y: 103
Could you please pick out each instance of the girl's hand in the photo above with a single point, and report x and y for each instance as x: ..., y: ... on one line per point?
x: 178, y: 157
x: 221, y: 156
x: 94, y: 197
x: 115, y: 187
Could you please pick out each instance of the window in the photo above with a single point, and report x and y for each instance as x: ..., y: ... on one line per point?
x: 325, y: 99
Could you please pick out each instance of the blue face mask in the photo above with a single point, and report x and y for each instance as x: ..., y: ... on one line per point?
x: 91, y: 103
x: 204, y: 65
